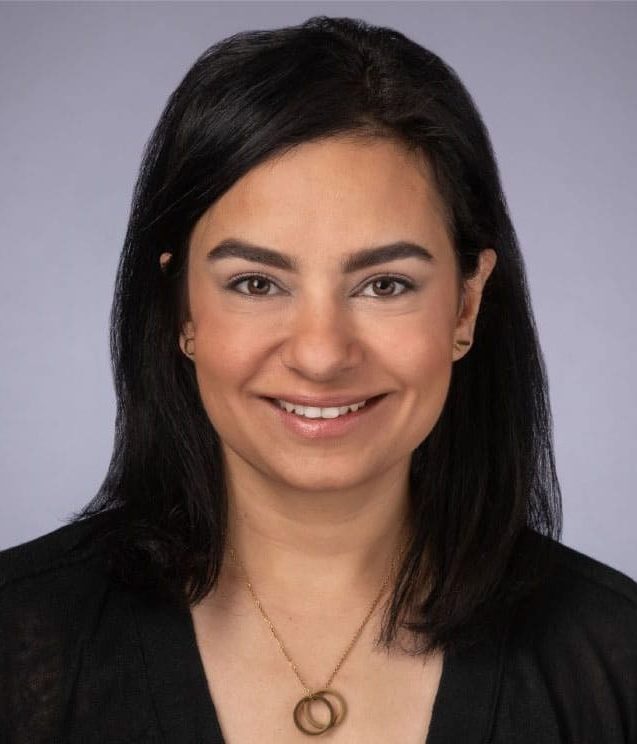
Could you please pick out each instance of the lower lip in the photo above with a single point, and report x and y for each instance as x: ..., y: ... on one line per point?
x: 323, y: 428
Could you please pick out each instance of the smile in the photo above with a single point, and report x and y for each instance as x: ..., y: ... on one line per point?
x: 319, y: 423
x: 314, y: 412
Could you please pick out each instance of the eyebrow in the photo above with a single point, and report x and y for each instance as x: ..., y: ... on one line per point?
x: 363, y: 259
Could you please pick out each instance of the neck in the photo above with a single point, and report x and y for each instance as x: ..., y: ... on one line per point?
x: 309, y: 548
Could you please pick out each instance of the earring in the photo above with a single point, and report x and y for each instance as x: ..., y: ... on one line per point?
x: 192, y: 351
x: 461, y: 342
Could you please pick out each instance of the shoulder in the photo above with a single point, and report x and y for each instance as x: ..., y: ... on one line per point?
x: 70, y: 663
x: 73, y: 544
x: 572, y: 650
x: 584, y: 591
x: 54, y: 580
x: 596, y: 575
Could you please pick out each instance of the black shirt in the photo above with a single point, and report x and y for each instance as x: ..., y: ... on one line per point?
x: 84, y: 660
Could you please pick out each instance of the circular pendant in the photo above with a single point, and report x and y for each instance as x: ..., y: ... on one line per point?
x: 305, y: 720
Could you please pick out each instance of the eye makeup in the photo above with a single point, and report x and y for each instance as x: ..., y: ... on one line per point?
x: 407, y: 284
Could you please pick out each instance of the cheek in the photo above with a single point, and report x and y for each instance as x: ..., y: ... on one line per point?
x: 419, y: 347
x: 420, y: 360
x: 222, y: 358
x: 217, y: 372
x: 225, y: 342
x: 426, y: 376
x: 223, y: 361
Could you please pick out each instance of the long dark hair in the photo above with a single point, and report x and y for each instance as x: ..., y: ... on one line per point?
x: 483, y: 481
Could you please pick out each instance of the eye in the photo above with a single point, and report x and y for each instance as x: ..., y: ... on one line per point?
x: 251, y: 279
x: 257, y: 282
x: 391, y: 280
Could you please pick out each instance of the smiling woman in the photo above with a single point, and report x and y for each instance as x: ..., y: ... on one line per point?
x: 326, y: 327
x: 333, y: 439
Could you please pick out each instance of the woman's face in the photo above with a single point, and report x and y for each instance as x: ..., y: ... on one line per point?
x: 317, y: 329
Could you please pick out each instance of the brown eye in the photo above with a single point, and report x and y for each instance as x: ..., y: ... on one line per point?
x: 257, y: 285
x: 258, y: 281
x: 383, y: 286
x: 387, y: 282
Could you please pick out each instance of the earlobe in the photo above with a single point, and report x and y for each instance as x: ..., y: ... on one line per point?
x: 189, y: 346
x: 187, y: 340
x: 470, y: 302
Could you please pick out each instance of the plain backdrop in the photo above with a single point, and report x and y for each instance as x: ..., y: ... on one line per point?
x: 83, y: 84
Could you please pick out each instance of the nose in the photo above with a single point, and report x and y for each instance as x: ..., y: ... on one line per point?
x: 323, y: 342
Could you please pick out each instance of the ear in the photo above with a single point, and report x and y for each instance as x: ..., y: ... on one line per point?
x: 470, y: 302
x: 164, y: 259
x: 187, y: 339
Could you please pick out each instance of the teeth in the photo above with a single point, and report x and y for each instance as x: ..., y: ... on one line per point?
x: 313, y: 412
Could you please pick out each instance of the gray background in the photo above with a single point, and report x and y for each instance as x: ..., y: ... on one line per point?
x: 82, y: 85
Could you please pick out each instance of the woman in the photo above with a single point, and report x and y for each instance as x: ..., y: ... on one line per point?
x: 332, y: 508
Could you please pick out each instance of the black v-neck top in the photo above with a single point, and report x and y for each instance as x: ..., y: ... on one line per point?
x: 84, y: 660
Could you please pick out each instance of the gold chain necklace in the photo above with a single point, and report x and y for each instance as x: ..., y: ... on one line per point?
x: 336, y: 707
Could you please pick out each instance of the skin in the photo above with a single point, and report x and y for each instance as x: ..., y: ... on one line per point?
x: 317, y: 522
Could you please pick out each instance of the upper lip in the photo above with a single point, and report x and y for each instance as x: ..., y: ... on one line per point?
x: 326, y: 401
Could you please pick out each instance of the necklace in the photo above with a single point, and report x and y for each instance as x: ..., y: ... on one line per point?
x: 332, y: 701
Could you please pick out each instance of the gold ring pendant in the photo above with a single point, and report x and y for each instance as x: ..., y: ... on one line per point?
x: 307, y: 723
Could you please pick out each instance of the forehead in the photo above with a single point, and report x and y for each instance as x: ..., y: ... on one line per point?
x: 333, y: 194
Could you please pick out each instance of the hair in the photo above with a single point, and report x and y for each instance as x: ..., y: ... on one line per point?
x: 483, y: 481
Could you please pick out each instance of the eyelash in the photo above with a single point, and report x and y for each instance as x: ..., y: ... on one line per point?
x: 407, y: 284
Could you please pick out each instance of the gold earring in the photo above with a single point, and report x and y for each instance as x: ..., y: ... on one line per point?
x: 192, y: 352
x: 461, y: 342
